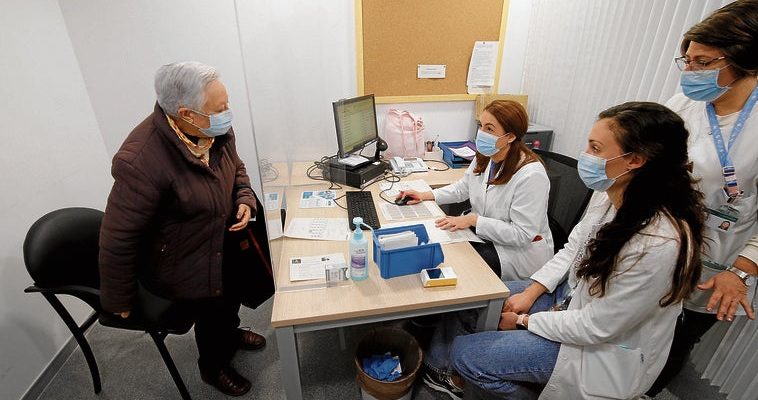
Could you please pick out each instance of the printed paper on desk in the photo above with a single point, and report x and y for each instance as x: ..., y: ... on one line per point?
x: 317, y: 198
x: 418, y: 185
x: 481, y: 71
x: 313, y: 267
x: 318, y: 228
x: 425, y: 209
x: 274, y: 226
x: 437, y: 235
x: 463, y: 152
x: 271, y: 201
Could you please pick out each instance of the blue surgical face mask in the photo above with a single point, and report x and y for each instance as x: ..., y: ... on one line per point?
x: 702, y: 85
x: 485, y: 143
x: 592, y: 171
x: 220, y: 123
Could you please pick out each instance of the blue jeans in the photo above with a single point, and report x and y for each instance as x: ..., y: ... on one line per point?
x: 498, y: 364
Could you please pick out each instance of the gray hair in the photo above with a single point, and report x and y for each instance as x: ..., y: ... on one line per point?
x: 182, y: 84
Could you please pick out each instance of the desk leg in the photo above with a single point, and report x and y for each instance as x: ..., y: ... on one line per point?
x: 490, y: 316
x: 287, y: 344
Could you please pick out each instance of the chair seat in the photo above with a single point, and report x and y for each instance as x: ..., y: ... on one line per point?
x: 136, y: 323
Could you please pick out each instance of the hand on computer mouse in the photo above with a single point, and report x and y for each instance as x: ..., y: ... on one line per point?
x: 408, y: 197
x: 402, y: 200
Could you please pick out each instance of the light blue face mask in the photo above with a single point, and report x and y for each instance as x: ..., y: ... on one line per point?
x: 220, y: 123
x: 702, y: 85
x: 485, y: 143
x: 592, y: 171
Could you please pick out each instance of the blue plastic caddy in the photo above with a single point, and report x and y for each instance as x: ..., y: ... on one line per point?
x: 409, y: 260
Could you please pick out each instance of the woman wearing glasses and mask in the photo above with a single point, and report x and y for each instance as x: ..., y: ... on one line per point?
x: 719, y: 66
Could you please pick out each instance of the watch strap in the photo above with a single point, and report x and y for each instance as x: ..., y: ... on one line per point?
x: 740, y: 273
x: 520, y: 321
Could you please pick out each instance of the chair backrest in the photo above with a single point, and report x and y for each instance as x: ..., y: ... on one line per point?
x: 61, y: 248
x: 569, y: 196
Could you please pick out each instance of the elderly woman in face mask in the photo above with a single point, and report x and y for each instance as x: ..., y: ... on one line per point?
x: 179, y: 187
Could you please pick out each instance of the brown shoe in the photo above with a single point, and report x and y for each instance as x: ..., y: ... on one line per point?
x: 228, y: 382
x: 250, y: 340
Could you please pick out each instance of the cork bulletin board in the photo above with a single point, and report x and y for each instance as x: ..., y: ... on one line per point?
x: 395, y: 36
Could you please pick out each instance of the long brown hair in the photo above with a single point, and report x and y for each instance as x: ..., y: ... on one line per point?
x: 513, y: 118
x: 661, y: 188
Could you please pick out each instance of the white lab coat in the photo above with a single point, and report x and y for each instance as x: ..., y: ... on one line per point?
x: 510, y: 216
x: 612, y: 347
x: 722, y: 247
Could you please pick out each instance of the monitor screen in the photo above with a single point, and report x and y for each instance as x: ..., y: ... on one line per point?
x: 355, y: 120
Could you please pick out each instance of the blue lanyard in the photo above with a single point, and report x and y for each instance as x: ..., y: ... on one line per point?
x: 727, y: 167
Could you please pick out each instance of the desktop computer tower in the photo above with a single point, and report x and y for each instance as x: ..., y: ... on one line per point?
x: 538, y: 137
x: 356, y: 177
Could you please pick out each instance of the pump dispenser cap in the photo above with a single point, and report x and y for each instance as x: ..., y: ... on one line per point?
x: 358, y: 234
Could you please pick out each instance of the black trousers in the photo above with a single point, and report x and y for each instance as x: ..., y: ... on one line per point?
x: 488, y: 252
x: 216, y: 334
x: 690, y: 327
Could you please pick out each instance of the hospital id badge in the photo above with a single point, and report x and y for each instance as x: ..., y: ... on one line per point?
x: 722, y: 219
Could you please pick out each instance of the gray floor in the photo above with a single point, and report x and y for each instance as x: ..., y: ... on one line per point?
x: 131, y: 368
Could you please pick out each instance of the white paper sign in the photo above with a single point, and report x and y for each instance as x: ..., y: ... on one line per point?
x: 427, y: 71
x: 481, y: 70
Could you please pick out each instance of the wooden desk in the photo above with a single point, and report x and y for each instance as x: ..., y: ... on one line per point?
x: 374, y: 299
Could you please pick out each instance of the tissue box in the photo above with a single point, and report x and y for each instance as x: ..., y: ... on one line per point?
x: 408, y: 260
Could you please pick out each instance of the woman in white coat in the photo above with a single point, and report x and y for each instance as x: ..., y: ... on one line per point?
x: 718, y: 101
x: 630, y: 263
x: 508, y: 189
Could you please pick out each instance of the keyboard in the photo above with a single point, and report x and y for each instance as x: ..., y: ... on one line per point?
x: 361, y: 204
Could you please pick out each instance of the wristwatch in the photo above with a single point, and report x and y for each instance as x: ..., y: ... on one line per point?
x: 520, y: 321
x: 740, y: 273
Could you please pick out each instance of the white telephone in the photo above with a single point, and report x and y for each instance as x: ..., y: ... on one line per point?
x: 406, y: 166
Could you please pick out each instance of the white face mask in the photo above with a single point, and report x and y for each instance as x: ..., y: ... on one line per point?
x: 592, y: 171
x: 220, y: 123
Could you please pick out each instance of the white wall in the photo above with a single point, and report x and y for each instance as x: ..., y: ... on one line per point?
x: 300, y: 58
x: 120, y: 45
x: 53, y: 157
x: 585, y: 56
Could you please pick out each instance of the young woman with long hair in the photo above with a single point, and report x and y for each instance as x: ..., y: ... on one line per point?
x: 597, y: 320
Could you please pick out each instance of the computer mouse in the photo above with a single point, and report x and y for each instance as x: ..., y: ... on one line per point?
x: 401, y: 201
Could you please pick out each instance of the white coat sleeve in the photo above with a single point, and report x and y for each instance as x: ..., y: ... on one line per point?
x: 555, y: 271
x: 646, y: 266
x: 527, y: 212
x: 455, y: 192
x: 751, y: 250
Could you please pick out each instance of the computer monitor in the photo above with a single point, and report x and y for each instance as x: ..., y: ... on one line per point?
x: 355, y: 120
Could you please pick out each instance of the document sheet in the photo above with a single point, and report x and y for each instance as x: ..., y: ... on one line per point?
x: 314, y: 267
x: 392, y: 190
x: 318, y: 228
x: 425, y: 209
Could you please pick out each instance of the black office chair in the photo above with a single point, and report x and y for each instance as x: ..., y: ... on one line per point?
x: 568, y: 196
x: 61, y: 255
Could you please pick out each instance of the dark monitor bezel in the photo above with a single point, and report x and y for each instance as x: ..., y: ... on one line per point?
x: 341, y: 152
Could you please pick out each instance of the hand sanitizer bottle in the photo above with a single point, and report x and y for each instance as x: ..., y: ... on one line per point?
x: 358, y: 252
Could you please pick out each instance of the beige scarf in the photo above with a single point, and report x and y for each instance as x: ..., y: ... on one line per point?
x: 199, y: 150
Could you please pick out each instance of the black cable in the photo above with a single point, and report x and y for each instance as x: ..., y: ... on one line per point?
x: 447, y: 167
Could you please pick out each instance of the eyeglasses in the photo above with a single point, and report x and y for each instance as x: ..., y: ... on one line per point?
x: 695, y: 65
